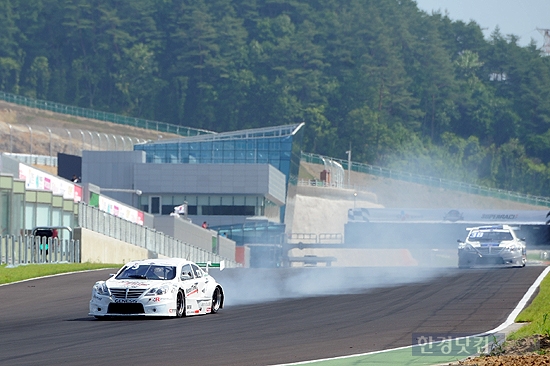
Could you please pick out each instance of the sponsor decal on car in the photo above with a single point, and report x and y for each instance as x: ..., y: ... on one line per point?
x: 126, y: 301
x: 132, y: 284
x: 192, y: 290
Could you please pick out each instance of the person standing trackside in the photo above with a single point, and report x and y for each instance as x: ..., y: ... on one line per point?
x: 204, y: 225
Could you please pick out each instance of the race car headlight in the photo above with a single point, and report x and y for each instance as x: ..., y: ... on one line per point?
x: 157, y: 291
x: 466, y: 246
x: 101, y: 288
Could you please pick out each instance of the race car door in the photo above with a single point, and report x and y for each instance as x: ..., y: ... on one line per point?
x: 200, y: 278
x: 190, y: 284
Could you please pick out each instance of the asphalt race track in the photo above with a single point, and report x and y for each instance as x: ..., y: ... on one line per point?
x: 45, y: 321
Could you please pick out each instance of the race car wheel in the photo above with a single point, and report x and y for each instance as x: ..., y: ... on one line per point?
x: 180, y: 304
x: 216, y: 301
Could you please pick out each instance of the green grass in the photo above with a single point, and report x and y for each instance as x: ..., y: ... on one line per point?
x: 537, y: 314
x: 25, y: 272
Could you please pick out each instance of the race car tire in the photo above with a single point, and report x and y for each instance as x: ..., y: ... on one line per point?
x: 216, y: 301
x: 180, y: 304
x: 463, y: 264
x: 520, y: 264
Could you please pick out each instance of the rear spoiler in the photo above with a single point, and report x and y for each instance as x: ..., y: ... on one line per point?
x: 206, y: 265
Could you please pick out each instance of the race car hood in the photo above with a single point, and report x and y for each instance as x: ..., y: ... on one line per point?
x: 134, y: 283
x: 503, y: 244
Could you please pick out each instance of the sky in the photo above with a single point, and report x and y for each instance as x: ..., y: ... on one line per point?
x: 519, y: 17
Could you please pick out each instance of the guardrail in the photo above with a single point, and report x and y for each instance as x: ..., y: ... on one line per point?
x: 102, y: 116
x: 431, y: 181
x: 34, y: 159
x: 92, y: 218
x: 16, y: 250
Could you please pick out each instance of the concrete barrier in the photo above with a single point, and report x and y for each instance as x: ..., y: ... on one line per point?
x: 98, y: 248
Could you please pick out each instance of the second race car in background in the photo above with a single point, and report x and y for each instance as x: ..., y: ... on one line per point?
x: 492, y: 245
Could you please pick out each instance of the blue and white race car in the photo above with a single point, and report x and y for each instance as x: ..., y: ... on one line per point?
x: 492, y: 245
x: 171, y: 287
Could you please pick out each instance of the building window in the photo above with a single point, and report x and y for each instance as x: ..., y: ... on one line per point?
x: 228, y: 210
x: 155, y: 205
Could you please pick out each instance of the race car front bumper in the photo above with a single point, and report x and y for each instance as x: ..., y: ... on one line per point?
x: 151, y: 306
x: 470, y: 257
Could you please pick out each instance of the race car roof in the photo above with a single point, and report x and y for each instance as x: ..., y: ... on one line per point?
x: 160, y: 261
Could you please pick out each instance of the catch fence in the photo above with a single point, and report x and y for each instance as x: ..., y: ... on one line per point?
x: 431, y: 181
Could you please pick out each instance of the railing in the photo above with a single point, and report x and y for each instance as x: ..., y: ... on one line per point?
x: 34, y: 159
x: 102, y: 116
x: 15, y: 250
x: 433, y: 182
x: 92, y: 218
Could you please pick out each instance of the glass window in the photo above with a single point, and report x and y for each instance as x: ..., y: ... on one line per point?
x: 262, y: 157
x: 240, y: 156
x: 229, y: 156
x: 229, y: 145
x: 275, y: 145
x: 217, y: 156
x: 186, y: 272
x: 206, y: 145
x: 155, y: 205
x: 148, y: 271
x: 197, y: 271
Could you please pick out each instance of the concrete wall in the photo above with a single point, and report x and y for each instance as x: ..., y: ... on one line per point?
x: 98, y: 248
x: 319, y: 210
x: 194, y: 235
x: 112, y: 169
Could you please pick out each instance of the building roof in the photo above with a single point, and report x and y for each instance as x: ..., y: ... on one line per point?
x: 264, y: 132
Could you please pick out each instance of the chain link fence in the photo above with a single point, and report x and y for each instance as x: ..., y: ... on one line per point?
x: 431, y: 181
x: 102, y: 116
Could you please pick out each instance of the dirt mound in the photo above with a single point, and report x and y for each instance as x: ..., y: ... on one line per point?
x: 534, y: 350
x: 34, y: 131
x: 393, y: 193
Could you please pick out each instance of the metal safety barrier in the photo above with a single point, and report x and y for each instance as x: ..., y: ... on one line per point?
x: 94, y: 219
x: 16, y: 250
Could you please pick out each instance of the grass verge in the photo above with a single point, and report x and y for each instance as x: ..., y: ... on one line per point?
x: 25, y: 272
x: 537, y: 314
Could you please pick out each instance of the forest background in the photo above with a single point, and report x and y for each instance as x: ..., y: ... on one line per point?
x: 398, y: 87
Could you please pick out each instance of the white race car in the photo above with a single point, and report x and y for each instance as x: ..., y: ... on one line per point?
x: 492, y: 245
x: 158, y: 287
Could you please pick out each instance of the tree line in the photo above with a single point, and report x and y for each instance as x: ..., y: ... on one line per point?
x: 403, y: 88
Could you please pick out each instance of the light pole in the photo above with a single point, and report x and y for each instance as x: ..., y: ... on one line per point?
x: 11, y: 141
x: 30, y: 130
x: 354, y: 200
x: 82, y: 134
x: 349, y: 166
x: 50, y: 132
x: 70, y: 140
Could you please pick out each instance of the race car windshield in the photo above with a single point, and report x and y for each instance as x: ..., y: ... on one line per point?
x: 490, y: 236
x: 147, y: 272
